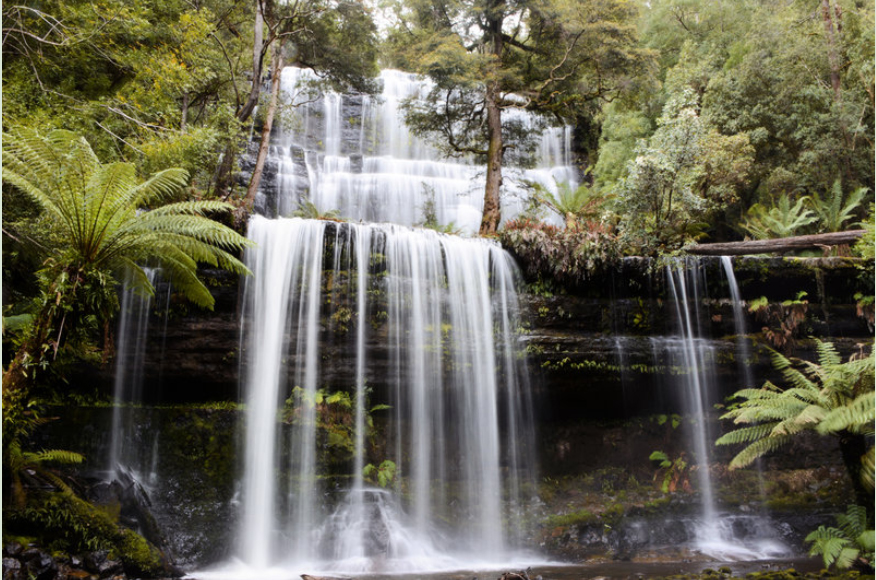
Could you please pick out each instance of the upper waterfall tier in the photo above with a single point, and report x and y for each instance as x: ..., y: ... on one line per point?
x: 353, y: 153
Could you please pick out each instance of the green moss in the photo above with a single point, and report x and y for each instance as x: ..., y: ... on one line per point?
x: 581, y: 517
x: 65, y: 524
x: 139, y: 557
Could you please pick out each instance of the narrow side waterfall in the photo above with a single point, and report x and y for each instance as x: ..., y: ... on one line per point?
x: 422, y: 324
x: 354, y: 154
x: 128, y: 383
x: 693, y: 353
x: 743, y: 351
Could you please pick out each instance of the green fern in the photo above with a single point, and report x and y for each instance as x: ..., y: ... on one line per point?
x: 571, y: 204
x: 780, y: 221
x: 844, y: 546
x: 98, y: 210
x: 832, y: 211
x: 307, y: 210
x: 829, y: 397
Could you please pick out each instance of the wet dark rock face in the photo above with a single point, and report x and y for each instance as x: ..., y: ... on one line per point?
x: 591, y: 349
x: 599, y: 390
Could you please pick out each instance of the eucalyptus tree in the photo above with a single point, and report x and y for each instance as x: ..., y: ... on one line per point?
x: 555, y: 57
x: 335, y: 38
x: 99, y: 224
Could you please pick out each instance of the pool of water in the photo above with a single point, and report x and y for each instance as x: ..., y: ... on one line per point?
x: 547, y: 571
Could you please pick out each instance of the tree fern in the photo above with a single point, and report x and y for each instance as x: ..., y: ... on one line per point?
x: 845, y: 545
x: 308, y: 210
x: 828, y: 397
x: 856, y: 416
x: 832, y: 211
x: 779, y: 221
x: 100, y: 226
x: 98, y: 210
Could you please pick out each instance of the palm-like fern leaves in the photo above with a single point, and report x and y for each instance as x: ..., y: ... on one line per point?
x: 832, y: 211
x: 780, y: 221
x: 830, y: 396
x: 97, y: 209
x: 570, y: 203
x: 842, y: 546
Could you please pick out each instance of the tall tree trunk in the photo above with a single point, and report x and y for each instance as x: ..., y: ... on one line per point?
x: 184, y: 114
x: 832, y: 56
x: 277, y: 71
x: 495, y: 150
x: 224, y: 173
x: 258, y: 57
x: 492, y: 210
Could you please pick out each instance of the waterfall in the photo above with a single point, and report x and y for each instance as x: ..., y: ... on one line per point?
x: 743, y: 352
x: 692, y: 351
x: 444, y: 311
x: 130, y: 359
x: 354, y: 154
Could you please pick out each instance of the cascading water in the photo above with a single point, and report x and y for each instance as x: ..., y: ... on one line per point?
x: 692, y: 353
x: 445, y: 309
x: 354, y: 154
x: 339, y: 317
x: 742, y: 348
x: 130, y: 358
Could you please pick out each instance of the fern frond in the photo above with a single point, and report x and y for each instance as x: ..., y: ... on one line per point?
x: 827, y: 353
x: 194, y: 226
x: 868, y: 468
x: 159, y: 186
x: 133, y: 275
x: 55, y: 456
x: 758, y: 449
x: 857, y: 416
x: 746, y: 434
x: 828, y: 543
x: 186, y: 281
x: 192, y: 208
x: 853, y: 523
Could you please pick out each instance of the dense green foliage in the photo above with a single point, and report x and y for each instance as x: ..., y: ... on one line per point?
x: 763, y: 105
x: 94, y: 234
x: 829, y: 397
x: 555, y: 57
x: 847, y: 544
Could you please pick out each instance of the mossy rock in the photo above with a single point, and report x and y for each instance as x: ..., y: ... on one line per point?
x: 66, y: 524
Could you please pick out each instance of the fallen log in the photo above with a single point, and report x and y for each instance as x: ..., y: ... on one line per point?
x: 777, y: 245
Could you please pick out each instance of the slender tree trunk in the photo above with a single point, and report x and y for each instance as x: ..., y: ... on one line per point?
x: 852, y: 447
x: 492, y: 210
x: 832, y: 56
x: 495, y: 150
x: 184, y: 115
x: 224, y: 172
x: 277, y: 71
x: 258, y: 57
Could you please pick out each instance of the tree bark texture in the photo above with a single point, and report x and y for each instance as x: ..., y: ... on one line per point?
x: 258, y: 55
x: 495, y: 150
x: 777, y: 245
x: 492, y: 210
x: 255, y: 180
